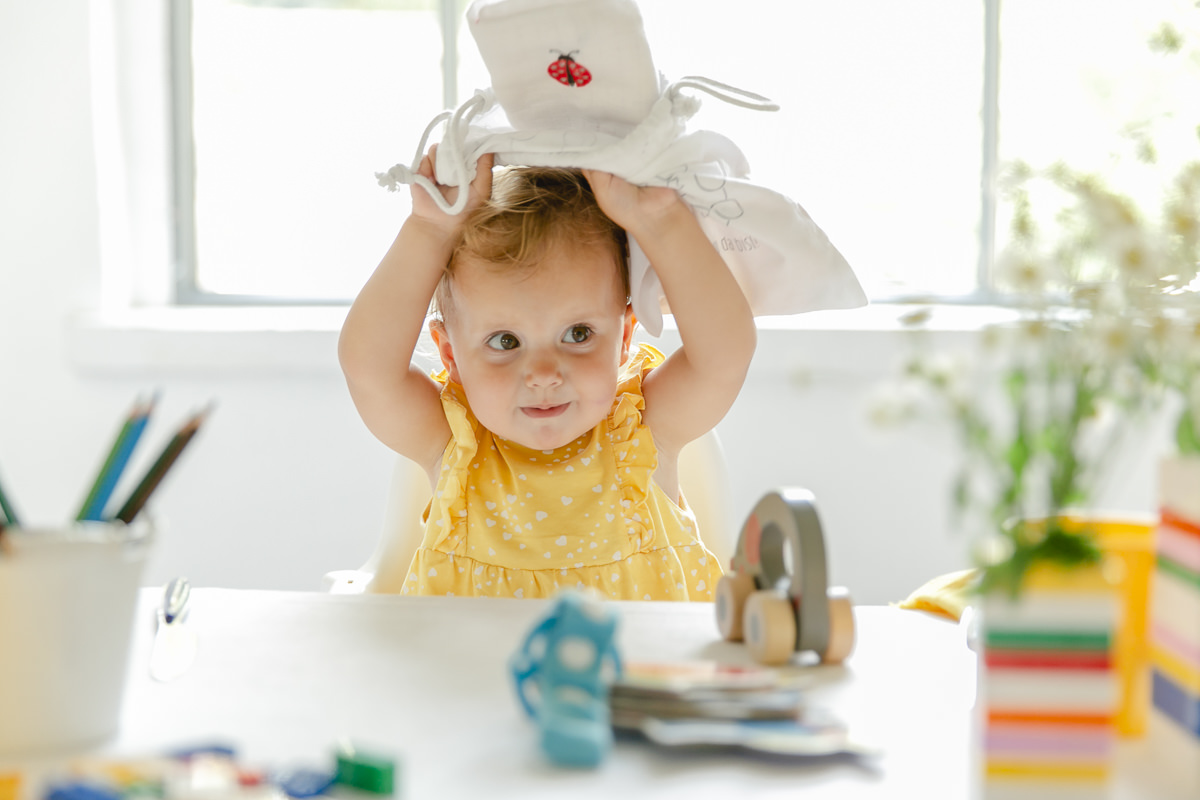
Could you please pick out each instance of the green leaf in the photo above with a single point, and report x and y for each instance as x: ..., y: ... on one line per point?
x: 1033, y: 544
x: 1187, y: 437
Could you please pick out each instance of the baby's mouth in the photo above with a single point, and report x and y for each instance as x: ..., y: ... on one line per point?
x: 543, y: 412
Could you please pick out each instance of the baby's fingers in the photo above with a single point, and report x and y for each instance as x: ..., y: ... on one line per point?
x: 599, y: 181
x: 481, y: 184
x: 425, y: 168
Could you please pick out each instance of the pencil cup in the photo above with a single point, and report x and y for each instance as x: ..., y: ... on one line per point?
x: 67, y: 600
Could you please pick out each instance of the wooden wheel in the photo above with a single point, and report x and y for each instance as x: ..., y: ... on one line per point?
x: 732, y: 591
x: 769, y: 625
x: 841, y: 627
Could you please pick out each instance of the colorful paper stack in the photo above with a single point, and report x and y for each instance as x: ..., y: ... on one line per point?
x: 1175, y: 603
x: 1048, y: 691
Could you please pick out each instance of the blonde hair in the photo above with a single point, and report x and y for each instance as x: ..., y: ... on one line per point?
x: 533, y: 211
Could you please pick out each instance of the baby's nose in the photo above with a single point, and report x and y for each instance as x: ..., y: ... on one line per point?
x: 543, y: 370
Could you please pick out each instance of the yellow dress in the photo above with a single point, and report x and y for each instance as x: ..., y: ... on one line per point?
x: 507, y: 521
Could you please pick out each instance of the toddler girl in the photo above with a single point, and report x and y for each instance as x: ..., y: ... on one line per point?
x: 550, y: 440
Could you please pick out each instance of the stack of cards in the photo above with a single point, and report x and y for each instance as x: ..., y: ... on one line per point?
x: 708, y: 704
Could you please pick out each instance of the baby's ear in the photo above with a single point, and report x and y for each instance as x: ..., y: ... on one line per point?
x: 441, y: 339
x: 627, y: 333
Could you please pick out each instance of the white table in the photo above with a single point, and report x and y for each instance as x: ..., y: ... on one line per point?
x: 284, y: 675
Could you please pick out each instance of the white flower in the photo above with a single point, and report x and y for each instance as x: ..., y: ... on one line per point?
x: 1024, y: 271
x: 894, y: 403
x: 1109, y: 339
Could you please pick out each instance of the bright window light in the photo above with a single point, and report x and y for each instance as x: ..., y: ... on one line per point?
x: 883, y: 135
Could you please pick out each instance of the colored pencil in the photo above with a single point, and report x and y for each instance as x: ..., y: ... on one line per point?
x: 114, y: 464
x: 7, y: 513
x: 153, y: 477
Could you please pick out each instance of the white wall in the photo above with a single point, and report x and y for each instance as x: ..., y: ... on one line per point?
x: 284, y: 482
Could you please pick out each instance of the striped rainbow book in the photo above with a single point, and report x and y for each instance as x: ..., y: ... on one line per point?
x: 1049, y: 691
x: 1175, y: 599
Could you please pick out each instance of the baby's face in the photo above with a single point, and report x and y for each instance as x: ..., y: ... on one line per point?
x: 538, y: 352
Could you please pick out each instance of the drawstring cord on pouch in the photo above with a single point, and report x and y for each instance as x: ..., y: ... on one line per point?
x: 452, y: 152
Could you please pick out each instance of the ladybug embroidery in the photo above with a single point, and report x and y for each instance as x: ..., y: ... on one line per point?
x: 567, y: 71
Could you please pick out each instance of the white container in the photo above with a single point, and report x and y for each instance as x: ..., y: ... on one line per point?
x: 67, y: 600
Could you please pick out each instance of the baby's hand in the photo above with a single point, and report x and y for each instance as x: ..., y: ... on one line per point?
x: 628, y: 205
x: 480, y: 189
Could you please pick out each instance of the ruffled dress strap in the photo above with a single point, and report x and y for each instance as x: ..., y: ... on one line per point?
x: 633, y: 446
x: 447, y: 511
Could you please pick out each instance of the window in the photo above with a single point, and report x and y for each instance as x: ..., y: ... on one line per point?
x: 294, y: 107
x: 1097, y: 90
x: 893, y: 118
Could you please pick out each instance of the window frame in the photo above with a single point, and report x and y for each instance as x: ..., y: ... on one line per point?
x: 184, y: 288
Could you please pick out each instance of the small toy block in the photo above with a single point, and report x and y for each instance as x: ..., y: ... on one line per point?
x: 82, y: 791
x: 304, y: 782
x: 10, y: 785
x: 365, y: 771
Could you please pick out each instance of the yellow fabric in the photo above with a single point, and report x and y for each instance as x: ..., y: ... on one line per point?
x: 946, y: 595
x: 507, y: 521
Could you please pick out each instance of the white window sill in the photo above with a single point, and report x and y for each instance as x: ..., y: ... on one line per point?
x: 303, y: 340
x: 250, y: 340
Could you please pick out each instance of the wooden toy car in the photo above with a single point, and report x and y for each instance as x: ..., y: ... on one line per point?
x: 776, y: 594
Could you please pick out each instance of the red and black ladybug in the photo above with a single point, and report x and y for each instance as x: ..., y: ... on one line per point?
x: 567, y: 71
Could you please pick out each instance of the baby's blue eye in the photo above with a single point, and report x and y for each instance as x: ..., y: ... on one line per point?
x: 503, y: 341
x: 578, y: 334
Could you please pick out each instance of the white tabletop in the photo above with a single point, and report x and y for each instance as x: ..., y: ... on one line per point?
x: 284, y: 675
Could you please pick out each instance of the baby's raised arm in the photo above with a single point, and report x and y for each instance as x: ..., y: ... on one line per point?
x: 396, y: 399
x: 690, y: 393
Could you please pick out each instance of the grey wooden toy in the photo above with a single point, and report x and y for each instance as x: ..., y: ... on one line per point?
x: 776, y: 595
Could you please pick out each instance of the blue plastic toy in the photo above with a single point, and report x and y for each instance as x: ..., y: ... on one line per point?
x: 82, y: 791
x: 561, y: 679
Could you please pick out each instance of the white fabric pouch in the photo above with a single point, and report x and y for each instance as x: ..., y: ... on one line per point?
x: 574, y: 85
